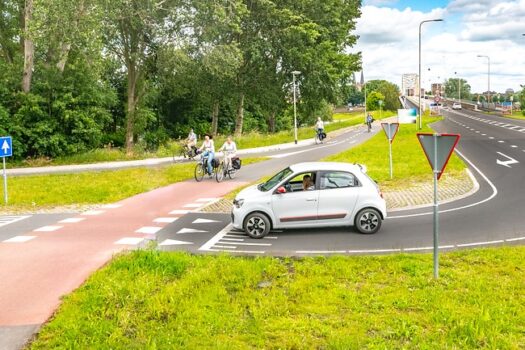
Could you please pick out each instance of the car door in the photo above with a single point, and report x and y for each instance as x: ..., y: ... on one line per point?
x: 297, y: 206
x: 338, y: 195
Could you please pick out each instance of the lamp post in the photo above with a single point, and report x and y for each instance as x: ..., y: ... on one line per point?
x: 488, y: 77
x: 419, y: 93
x: 294, y: 73
x: 459, y: 86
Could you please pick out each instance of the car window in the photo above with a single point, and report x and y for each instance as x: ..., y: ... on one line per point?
x: 301, y: 182
x: 337, y: 179
x: 275, y: 180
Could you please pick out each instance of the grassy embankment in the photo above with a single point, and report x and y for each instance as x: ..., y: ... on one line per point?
x: 249, y: 140
x: 154, y: 300
x: 43, y: 191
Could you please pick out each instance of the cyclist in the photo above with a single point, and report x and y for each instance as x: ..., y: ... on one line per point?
x: 191, y: 141
x: 319, y: 127
x: 208, y: 150
x: 229, y: 148
x: 369, y: 121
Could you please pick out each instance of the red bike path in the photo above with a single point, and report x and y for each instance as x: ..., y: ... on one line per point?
x: 35, y: 274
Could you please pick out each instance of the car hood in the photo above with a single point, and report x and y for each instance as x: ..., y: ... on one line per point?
x: 248, y: 192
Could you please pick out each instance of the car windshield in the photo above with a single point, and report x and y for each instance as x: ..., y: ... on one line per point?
x: 268, y: 185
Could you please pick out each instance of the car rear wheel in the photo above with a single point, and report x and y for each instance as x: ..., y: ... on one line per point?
x: 257, y: 225
x: 368, y: 221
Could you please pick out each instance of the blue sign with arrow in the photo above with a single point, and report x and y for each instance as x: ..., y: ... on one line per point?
x: 6, y: 146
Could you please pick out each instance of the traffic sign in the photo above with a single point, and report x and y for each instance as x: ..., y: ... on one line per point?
x: 438, y: 148
x: 6, y: 146
x: 390, y: 130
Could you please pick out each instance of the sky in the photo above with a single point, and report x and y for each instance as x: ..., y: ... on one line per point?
x: 388, y: 31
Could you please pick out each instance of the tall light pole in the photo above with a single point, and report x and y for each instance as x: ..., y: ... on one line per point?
x: 459, y: 86
x: 419, y: 93
x: 294, y: 73
x: 488, y: 75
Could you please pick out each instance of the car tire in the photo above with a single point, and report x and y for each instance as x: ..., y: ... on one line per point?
x: 368, y: 221
x: 257, y: 225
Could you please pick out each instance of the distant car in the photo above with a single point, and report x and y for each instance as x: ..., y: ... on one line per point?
x: 316, y: 194
x: 456, y: 105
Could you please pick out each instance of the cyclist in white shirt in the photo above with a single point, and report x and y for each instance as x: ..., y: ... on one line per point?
x: 319, y: 126
x: 191, y: 140
x: 208, y: 150
x: 230, y: 149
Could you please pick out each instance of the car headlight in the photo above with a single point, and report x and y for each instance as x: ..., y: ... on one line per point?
x: 238, y: 203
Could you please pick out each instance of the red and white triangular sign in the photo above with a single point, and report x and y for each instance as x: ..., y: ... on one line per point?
x: 438, y: 148
x: 390, y: 130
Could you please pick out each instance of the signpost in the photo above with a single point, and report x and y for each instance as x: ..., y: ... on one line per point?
x: 390, y: 130
x: 6, y: 150
x: 438, y: 148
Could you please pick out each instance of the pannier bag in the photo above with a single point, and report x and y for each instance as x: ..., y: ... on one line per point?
x: 215, y: 163
x: 236, y: 163
x: 323, y: 136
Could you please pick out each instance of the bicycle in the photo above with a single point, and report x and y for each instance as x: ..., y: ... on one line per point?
x: 201, y: 169
x: 185, y: 153
x: 225, y: 168
x: 319, y: 136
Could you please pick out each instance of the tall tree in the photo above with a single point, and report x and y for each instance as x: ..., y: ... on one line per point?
x: 453, y: 86
x: 29, y: 47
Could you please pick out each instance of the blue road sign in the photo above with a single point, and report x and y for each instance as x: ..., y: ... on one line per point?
x: 6, y: 146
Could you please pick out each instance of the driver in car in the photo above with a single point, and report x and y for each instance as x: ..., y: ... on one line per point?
x: 308, y: 184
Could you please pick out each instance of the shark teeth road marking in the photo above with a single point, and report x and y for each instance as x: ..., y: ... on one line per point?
x: 165, y: 220
x: 179, y: 212
x: 151, y: 230
x: 174, y: 242
x: 506, y: 163
x: 190, y: 230
x: 19, y: 239
x: 203, y: 221
x: 48, y: 228
x: 129, y: 241
x: 71, y: 220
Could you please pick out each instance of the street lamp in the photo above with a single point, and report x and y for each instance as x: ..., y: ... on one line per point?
x: 488, y: 75
x: 459, y: 86
x: 294, y: 73
x: 419, y: 93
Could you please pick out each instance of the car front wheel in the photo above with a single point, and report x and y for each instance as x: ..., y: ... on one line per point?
x: 257, y: 225
x: 368, y: 221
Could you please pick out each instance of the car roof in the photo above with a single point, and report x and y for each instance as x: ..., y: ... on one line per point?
x: 312, y: 166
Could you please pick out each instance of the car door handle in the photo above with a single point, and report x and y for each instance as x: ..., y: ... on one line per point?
x: 311, y: 200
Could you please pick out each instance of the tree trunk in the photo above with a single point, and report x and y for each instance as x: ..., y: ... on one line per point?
x: 64, y: 53
x: 240, y: 116
x: 29, y: 48
x: 215, y: 118
x: 271, y: 122
x: 131, y: 108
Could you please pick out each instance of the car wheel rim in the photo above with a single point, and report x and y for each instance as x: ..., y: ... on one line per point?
x: 256, y: 226
x: 368, y: 221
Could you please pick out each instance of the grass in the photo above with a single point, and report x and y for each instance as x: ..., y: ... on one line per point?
x: 28, y: 192
x: 409, y: 162
x: 155, y: 300
x: 249, y: 140
x: 515, y: 115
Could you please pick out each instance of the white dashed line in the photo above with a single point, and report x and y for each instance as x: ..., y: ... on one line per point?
x: 478, y: 243
x: 48, y: 228
x: 93, y: 212
x: 193, y: 205
x: 150, y: 230
x: 71, y: 220
x: 179, y: 212
x: 514, y: 146
x: 19, y: 239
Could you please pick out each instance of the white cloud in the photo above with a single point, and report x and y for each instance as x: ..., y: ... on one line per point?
x: 389, y: 43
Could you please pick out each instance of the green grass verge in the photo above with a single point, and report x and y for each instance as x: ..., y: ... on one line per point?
x: 409, y: 162
x: 516, y: 115
x: 154, y: 300
x: 26, y: 192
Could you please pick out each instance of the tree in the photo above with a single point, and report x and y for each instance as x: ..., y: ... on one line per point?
x: 355, y: 97
x: 388, y: 90
x: 453, y: 85
x: 372, y: 100
x: 29, y: 48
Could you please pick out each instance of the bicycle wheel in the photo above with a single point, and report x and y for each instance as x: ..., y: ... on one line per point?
x: 316, y: 139
x: 219, y: 172
x: 199, y: 172
x: 231, y: 173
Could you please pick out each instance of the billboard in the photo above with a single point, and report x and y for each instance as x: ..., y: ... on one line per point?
x: 407, y: 116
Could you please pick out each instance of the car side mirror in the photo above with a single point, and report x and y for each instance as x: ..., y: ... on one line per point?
x: 281, y: 190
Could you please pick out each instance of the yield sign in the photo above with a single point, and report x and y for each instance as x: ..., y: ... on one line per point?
x: 438, y: 148
x: 390, y: 130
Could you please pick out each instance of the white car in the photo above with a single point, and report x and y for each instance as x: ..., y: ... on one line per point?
x: 337, y: 194
x: 456, y: 105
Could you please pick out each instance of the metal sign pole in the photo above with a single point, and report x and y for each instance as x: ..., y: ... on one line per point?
x: 390, y: 150
x: 5, y: 182
x: 436, y: 210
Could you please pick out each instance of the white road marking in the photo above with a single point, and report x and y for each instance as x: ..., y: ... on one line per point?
x: 19, y: 239
x: 478, y: 243
x: 166, y: 220
x: 254, y: 244
x: 149, y: 230
x: 193, y: 205
x: 492, y: 186
x: 417, y: 249
x: 514, y: 146
x: 515, y: 239
x: 203, y: 221
x: 225, y: 247
x: 179, y: 212
x: 491, y: 137
x: 111, y: 206
x: 6, y: 220
x: 501, y: 141
x: 506, y: 163
x: 48, y: 228
x: 129, y: 241
x: 483, y: 134
x: 71, y: 220
x: 174, y: 242
x: 93, y: 212
x: 215, y: 239
x: 190, y: 230
x: 232, y: 239
x: 237, y: 251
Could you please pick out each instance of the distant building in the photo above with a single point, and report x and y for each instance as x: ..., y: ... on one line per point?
x: 359, y: 85
x: 509, y: 92
x: 410, y: 84
x: 438, y: 89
